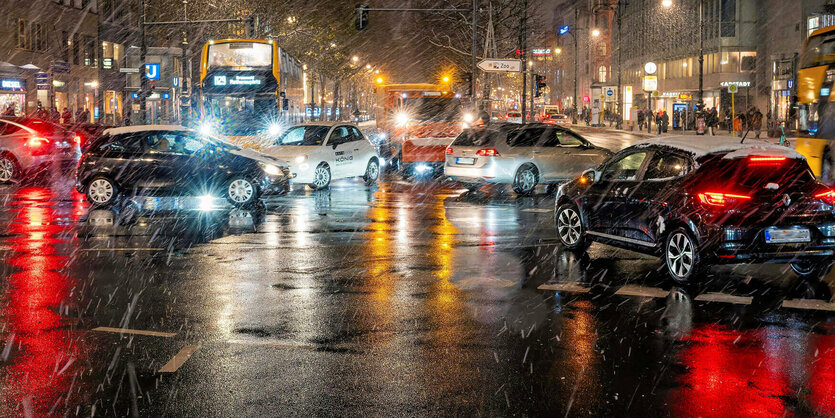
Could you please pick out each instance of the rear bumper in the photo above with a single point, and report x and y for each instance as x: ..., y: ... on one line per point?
x: 748, y: 245
x: 425, y: 149
x: 488, y: 173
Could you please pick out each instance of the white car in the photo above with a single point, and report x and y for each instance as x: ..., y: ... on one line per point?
x: 514, y: 117
x: 319, y: 152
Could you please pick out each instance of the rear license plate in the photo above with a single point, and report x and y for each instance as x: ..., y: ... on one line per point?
x: 465, y: 161
x: 62, y: 145
x: 789, y: 235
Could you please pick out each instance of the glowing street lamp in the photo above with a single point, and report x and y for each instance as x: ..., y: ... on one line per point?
x: 595, y: 32
x: 667, y: 3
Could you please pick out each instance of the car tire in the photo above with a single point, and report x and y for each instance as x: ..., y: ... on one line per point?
x: 828, y: 167
x: 681, y: 256
x: 321, y: 177
x: 9, y: 169
x: 570, y: 228
x: 102, y: 192
x: 372, y: 172
x: 524, y: 183
x: 812, y: 270
x: 241, y: 192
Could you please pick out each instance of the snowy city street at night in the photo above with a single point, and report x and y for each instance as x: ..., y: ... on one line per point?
x: 423, y: 208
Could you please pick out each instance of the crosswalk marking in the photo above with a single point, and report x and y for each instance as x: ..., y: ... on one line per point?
x: 179, y: 359
x: 564, y: 287
x: 537, y: 210
x: 724, y: 298
x: 636, y: 290
x: 809, y: 304
x: 135, y: 331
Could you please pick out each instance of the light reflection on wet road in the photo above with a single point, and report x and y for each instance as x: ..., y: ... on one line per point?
x: 399, y: 299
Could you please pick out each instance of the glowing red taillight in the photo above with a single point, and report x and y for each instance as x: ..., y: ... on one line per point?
x: 827, y: 196
x: 488, y: 152
x: 757, y: 160
x: 448, y: 151
x: 721, y: 199
x: 77, y: 139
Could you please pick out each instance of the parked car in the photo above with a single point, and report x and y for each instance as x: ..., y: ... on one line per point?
x: 162, y: 159
x: 323, y: 151
x: 514, y: 117
x: 28, y: 146
x: 522, y: 156
x: 696, y: 203
x: 557, y: 119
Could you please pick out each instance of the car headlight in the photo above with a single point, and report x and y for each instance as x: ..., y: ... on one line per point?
x: 468, y: 117
x: 271, y: 169
x: 301, y: 158
x: 207, y: 129
x: 401, y: 119
x: 274, y: 129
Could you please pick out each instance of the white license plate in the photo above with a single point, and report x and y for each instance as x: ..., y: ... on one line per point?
x: 788, y: 235
x: 62, y: 144
x: 465, y: 161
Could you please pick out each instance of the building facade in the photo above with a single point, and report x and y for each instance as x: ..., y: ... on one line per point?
x: 49, y: 56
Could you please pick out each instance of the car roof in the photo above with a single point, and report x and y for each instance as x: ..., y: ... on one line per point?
x: 143, y: 128
x: 326, y: 123
x: 700, y: 146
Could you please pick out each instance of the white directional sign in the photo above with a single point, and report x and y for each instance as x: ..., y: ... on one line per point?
x: 501, y: 65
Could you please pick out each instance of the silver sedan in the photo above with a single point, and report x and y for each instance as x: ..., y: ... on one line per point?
x: 522, y: 156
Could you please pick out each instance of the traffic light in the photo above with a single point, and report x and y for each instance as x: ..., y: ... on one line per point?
x: 250, y: 26
x: 361, y: 20
x: 467, y: 79
x: 539, y: 85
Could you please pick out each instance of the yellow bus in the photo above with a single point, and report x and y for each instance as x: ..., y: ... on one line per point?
x: 815, y: 108
x: 250, y: 89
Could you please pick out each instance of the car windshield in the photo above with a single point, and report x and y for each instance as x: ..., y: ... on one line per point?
x: 311, y: 135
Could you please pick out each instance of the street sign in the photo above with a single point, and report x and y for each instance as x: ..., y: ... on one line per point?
x: 501, y: 65
x: 60, y: 67
x: 650, y: 83
x: 152, y: 71
x: 41, y: 78
x: 733, y: 89
x: 128, y: 70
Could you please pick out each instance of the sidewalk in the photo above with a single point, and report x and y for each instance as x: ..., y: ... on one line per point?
x: 645, y: 134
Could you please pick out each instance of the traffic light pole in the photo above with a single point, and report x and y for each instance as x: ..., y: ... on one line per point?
x: 523, y: 26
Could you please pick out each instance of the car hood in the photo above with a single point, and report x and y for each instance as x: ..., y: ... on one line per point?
x: 257, y: 156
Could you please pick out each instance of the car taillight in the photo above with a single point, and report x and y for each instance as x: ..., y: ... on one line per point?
x: 827, y: 196
x: 721, y: 199
x: 488, y: 152
x: 38, y: 145
x: 77, y: 139
x: 765, y: 160
x: 449, y: 151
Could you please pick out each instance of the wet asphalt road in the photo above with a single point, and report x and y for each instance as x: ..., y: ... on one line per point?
x: 400, y: 299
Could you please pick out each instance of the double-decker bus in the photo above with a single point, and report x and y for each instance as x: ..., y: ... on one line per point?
x: 250, y: 89
x: 815, y: 107
x: 420, y: 121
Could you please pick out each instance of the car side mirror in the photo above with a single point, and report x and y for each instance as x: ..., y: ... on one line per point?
x: 589, y: 176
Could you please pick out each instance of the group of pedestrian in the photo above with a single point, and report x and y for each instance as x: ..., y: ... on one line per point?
x: 53, y: 115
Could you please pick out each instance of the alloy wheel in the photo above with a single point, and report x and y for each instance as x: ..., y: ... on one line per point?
x: 372, y: 171
x: 568, y: 226
x: 527, y: 180
x: 241, y: 191
x: 321, y: 177
x: 6, y: 169
x: 100, y: 191
x: 680, y: 255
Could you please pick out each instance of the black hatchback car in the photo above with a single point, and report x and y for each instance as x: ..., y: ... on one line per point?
x: 172, y: 160
x: 701, y: 201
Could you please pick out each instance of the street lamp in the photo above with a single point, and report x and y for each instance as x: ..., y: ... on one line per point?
x: 558, y: 51
x: 355, y: 58
x: 595, y: 32
x: 667, y: 3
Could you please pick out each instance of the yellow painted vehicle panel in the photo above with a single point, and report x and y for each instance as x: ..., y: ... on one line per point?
x: 812, y: 149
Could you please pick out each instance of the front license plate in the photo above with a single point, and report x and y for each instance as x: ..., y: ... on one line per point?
x: 789, y: 235
x: 465, y: 161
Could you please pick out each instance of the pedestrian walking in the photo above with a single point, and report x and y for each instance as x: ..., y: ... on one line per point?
x: 728, y: 122
x: 66, y: 116
x: 658, y: 122
x: 640, y: 120
x: 665, y: 121
x: 757, y: 122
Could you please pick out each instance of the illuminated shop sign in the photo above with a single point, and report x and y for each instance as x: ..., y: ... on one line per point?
x: 735, y: 83
x: 11, y: 84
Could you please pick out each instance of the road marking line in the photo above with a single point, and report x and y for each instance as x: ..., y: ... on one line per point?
x: 564, y: 287
x: 177, y: 361
x: 537, y: 210
x: 724, y: 298
x: 279, y: 344
x: 121, y: 249
x: 809, y: 304
x: 135, y: 331
x: 643, y: 291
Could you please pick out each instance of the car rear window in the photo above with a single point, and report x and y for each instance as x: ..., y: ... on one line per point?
x: 476, y: 138
x: 754, y: 175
